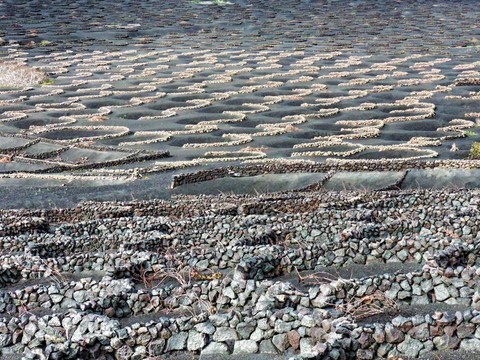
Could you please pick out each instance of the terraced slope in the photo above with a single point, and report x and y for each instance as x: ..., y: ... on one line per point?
x: 325, y: 275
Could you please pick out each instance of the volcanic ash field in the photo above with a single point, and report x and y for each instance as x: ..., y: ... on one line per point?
x: 239, y: 179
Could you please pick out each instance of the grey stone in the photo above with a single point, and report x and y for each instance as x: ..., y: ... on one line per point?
x: 384, y: 349
x: 245, y: 347
x: 427, y: 347
x: 465, y: 330
x: 402, y: 295
x: 364, y: 354
x: 470, y: 345
x: 177, y: 341
x: 219, y: 319
x: 267, y: 347
x: 116, y: 343
x: 379, y: 334
x: 420, y: 332
x: 420, y: 300
x: 157, y: 346
x: 448, y: 342
x: 225, y: 334
x: 244, y: 330
x: 400, y: 321
x: 264, y: 303
x: 427, y: 285
x: 215, y: 348
x: 257, y: 335
x: 364, y: 340
x: 402, y: 255
x: 69, y: 303
x: 392, y: 334
x: 196, y: 340
x: 410, y: 347
x: 282, y: 326
x: 308, y: 321
x: 80, y: 331
x: 56, y: 298
x: 394, y: 289
x: 306, y: 346
x: 202, y: 265
x: 281, y: 342
x: 321, y: 300
x: 140, y: 353
x: 441, y: 292
x: 416, y: 290
x: 205, y: 327
x: 79, y: 296
x: 144, y: 339
x: 228, y: 292
x: 335, y: 354
x: 30, y: 329
x: 125, y: 352
x: 5, y: 340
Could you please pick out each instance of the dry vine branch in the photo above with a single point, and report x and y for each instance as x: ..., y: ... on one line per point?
x: 154, y: 278
x: 183, y: 275
x: 316, y: 278
x: 369, y: 305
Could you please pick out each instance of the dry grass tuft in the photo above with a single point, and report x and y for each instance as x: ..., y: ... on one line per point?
x: 15, y: 75
x: 98, y: 118
x: 291, y: 128
x: 254, y: 149
x: 5, y: 159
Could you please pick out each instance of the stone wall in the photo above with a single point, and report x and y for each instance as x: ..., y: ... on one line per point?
x: 272, y: 167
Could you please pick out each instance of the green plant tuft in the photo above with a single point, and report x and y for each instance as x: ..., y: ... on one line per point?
x: 475, y: 150
x: 47, y: 82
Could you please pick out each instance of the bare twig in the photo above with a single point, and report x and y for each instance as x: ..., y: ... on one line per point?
x: 369, y: 305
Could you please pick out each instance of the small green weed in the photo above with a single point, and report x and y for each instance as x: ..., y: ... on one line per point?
x: 47, y: 82
x: 475, y: 150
